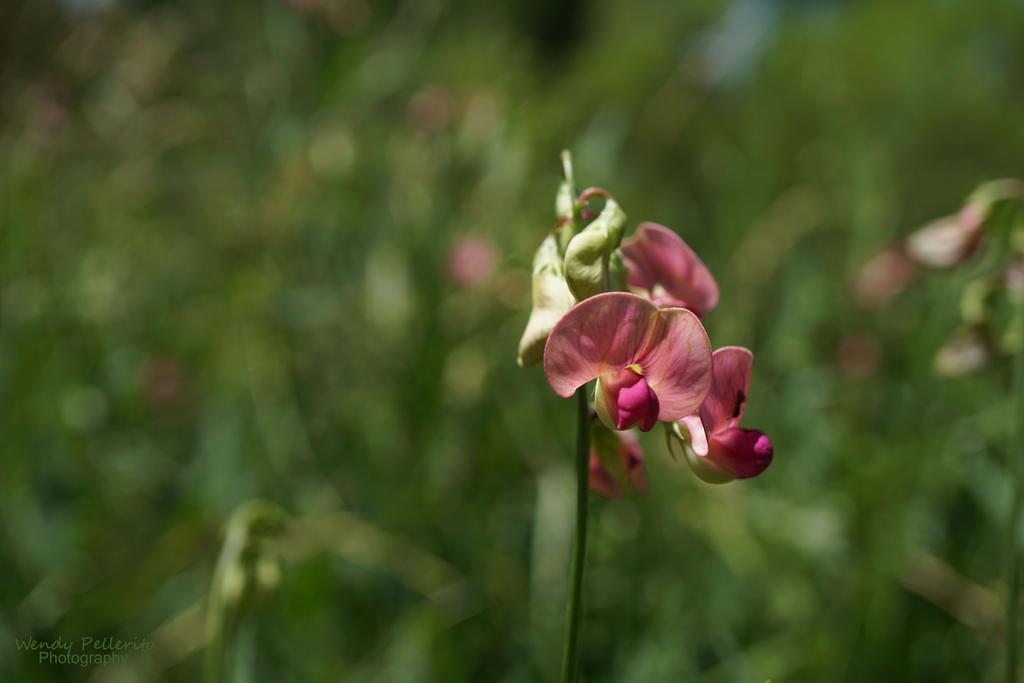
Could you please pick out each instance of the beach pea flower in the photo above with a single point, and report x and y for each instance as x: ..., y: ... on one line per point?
x: 652, y: 364
x: 615, y: 460
x: 661, y: 263
x: 716, y: 447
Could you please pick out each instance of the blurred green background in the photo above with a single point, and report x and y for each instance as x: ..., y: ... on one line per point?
x: 226, y: 274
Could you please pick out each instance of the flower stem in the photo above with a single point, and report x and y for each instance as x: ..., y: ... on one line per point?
x: 570, y: 657
x: 1017, y: 468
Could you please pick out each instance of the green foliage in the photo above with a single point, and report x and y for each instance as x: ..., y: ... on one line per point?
x: 224, y: 276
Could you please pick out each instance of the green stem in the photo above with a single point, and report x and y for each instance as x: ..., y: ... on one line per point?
x: 570, y: 658
x: 1017, y: 468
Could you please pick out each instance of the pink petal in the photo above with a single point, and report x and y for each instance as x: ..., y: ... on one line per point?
x: 744, y: 452
x: 677, y: 363
x: 600, y: 335
x: 624, y: 399
x: 730, y: 381
x: 656, y: 255
x: 698, y: 437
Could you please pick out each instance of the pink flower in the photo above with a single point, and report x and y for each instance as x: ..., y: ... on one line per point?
x: 652, y: 364
x: 717, y: 448
x: 661, y: 262
x: 883, y: 277
x: 627, y: 459
x: 471, y: 261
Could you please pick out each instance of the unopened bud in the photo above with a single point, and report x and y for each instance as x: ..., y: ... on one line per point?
x: 588, y: 254
x: 551, y: 300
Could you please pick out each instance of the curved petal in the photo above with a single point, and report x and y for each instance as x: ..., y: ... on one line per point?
x: 744, y: 452
x: 698, y: 437
x: 602, y: 334
x: 677, y: 363
x: 730, y: 381
x: 656, y: 255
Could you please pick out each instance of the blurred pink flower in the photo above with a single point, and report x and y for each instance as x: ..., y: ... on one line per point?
x: 471, y: 261
x: 858, y: 356
x: 661, y: 263
x: 883, y: 277
x: 160, y: 378
x: 718, y: 449
x: 430, y: 110
x: 652, y: 364
x: 627, y: 448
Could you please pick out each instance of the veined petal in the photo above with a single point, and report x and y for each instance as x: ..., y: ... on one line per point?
x: 730, y: 381
x: 744, y: 452
x: 676, y: 363
x: 600, y: 335
x: 656, y: 255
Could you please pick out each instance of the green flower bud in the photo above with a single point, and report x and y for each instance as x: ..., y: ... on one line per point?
x: 551, y: 300
x: 588, y: 254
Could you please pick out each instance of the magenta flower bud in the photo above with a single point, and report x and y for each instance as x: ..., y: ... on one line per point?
x: 625, y: 399
x: 615, y: 460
